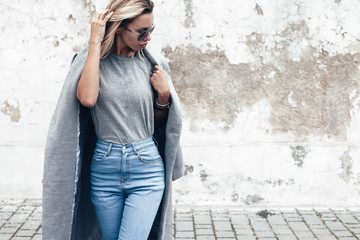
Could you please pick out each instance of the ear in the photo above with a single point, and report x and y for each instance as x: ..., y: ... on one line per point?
x: 118, y: 31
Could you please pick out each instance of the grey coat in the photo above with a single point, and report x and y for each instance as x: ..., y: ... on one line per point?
x: 67, y: 209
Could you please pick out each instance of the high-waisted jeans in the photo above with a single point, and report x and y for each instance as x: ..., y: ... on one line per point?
x: 127, y: 184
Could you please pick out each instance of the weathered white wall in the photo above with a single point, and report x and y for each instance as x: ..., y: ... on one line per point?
x: 270, y: 92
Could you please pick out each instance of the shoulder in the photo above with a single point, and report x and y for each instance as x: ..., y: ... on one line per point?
x: 157, y: 58
x: 80, y: 57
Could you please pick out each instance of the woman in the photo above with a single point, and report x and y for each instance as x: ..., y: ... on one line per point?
x: 115, y: 133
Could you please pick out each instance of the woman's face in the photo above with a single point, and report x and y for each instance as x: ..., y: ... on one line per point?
x: 129, y: 36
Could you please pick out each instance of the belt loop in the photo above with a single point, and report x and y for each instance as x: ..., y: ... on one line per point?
x: 109, y: 149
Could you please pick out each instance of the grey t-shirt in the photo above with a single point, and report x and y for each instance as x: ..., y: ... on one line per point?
x: 124, y: 111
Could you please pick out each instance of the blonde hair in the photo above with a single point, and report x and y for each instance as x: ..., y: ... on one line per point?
x: 125, y: 11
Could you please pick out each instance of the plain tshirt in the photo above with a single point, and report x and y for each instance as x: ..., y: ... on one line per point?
x: 124, y: 110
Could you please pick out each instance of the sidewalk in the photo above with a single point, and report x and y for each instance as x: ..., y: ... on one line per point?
x: 21, y: 219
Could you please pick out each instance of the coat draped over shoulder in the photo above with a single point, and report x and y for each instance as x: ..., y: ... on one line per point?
x: 67, y: 209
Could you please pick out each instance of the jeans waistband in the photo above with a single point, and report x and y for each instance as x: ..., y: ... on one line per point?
x: 108, y: 146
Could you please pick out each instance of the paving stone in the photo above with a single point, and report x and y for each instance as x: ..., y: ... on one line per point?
x: 23, y: 219
x: 326, y: 237
x: 276, y: 220
x: 222, y: 226
x: 322, y: 231
x: 202, y: 219
x: 17, y: 217
x: 5, y: 236
x: 31, y: 225
x: 286, y: 237
x: 243, y: 231
x: 184, y: 226
x: 205, y: 231
x: 282, y: 231
x: 343, y: 234
x: 25, y: 233
x: 250, y: 237
x: 205, y: 238
x: 335, y: 226
x: 181, y: 234
x: 8, y: 230
x: 347, y: 219
x: 227, y: 234
x: 264, y: 234
x: 37, y: 237
x: 200, y: 226
x: 261, y: 227
x: 239, y: 219
x: 298, y: 226
x: 312, y: 220
x: 304, y: 234
x: 5, y: 215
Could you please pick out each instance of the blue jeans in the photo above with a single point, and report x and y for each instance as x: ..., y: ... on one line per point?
x: 127, y: 184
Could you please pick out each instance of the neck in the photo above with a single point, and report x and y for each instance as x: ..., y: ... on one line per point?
x: 119, y: 47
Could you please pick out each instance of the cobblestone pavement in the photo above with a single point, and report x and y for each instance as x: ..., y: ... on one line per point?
x: 21, y: 219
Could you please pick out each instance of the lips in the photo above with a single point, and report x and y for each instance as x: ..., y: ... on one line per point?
x: 143, y: 45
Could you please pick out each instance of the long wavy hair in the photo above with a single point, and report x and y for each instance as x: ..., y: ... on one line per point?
x: 125, y: 11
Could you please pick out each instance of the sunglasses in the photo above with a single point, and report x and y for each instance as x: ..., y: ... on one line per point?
x: 143, y: 34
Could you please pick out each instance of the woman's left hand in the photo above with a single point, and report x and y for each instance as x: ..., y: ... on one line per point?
x: 160, y: 84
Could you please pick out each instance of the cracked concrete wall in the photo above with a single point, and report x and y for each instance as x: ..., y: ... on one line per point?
x: 270, y: 92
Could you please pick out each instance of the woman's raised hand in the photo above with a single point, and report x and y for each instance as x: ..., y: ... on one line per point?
x: 160, y: 84
x: 98, y: 26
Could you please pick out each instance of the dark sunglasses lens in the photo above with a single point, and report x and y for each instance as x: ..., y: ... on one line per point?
x: 143, y: 34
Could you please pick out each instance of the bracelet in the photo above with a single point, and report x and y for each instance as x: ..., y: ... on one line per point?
x: 161, y: 107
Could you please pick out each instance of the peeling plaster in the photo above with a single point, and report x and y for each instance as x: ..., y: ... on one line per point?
x: 298, y: 154
x: 346, y: 166
x: 264, y: 213
x: 251, y: 199
x: 259, y: 10
x: 12, y: 111
x: 188, y: 169
x: 189, y: 21
x: 212, y: 88
x: 234, y: 197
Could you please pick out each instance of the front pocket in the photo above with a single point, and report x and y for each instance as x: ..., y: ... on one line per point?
x: 99, y: 156
x: 149, y: 155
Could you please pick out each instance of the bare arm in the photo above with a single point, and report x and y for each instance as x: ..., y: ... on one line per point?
x: 88, y: 86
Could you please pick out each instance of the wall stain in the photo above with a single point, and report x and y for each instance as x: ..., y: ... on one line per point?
x: 203, y: 175
x: 234, y: 197
x: 12, y: 111
x: 275, y: 182
x: 264, y: 213
x: 259, y: 10
x: 188, y: 169
x: 88, y: 4
x: 346, y: 166
x: 189, y: 21
x: 212, y: 88
x: 71, y: 19
x: 250, y: 199
x: 299, y: 153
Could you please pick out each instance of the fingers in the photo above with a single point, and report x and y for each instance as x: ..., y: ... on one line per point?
x: 158, y: 69
x: 108, y: 16
x: 105, y: 15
